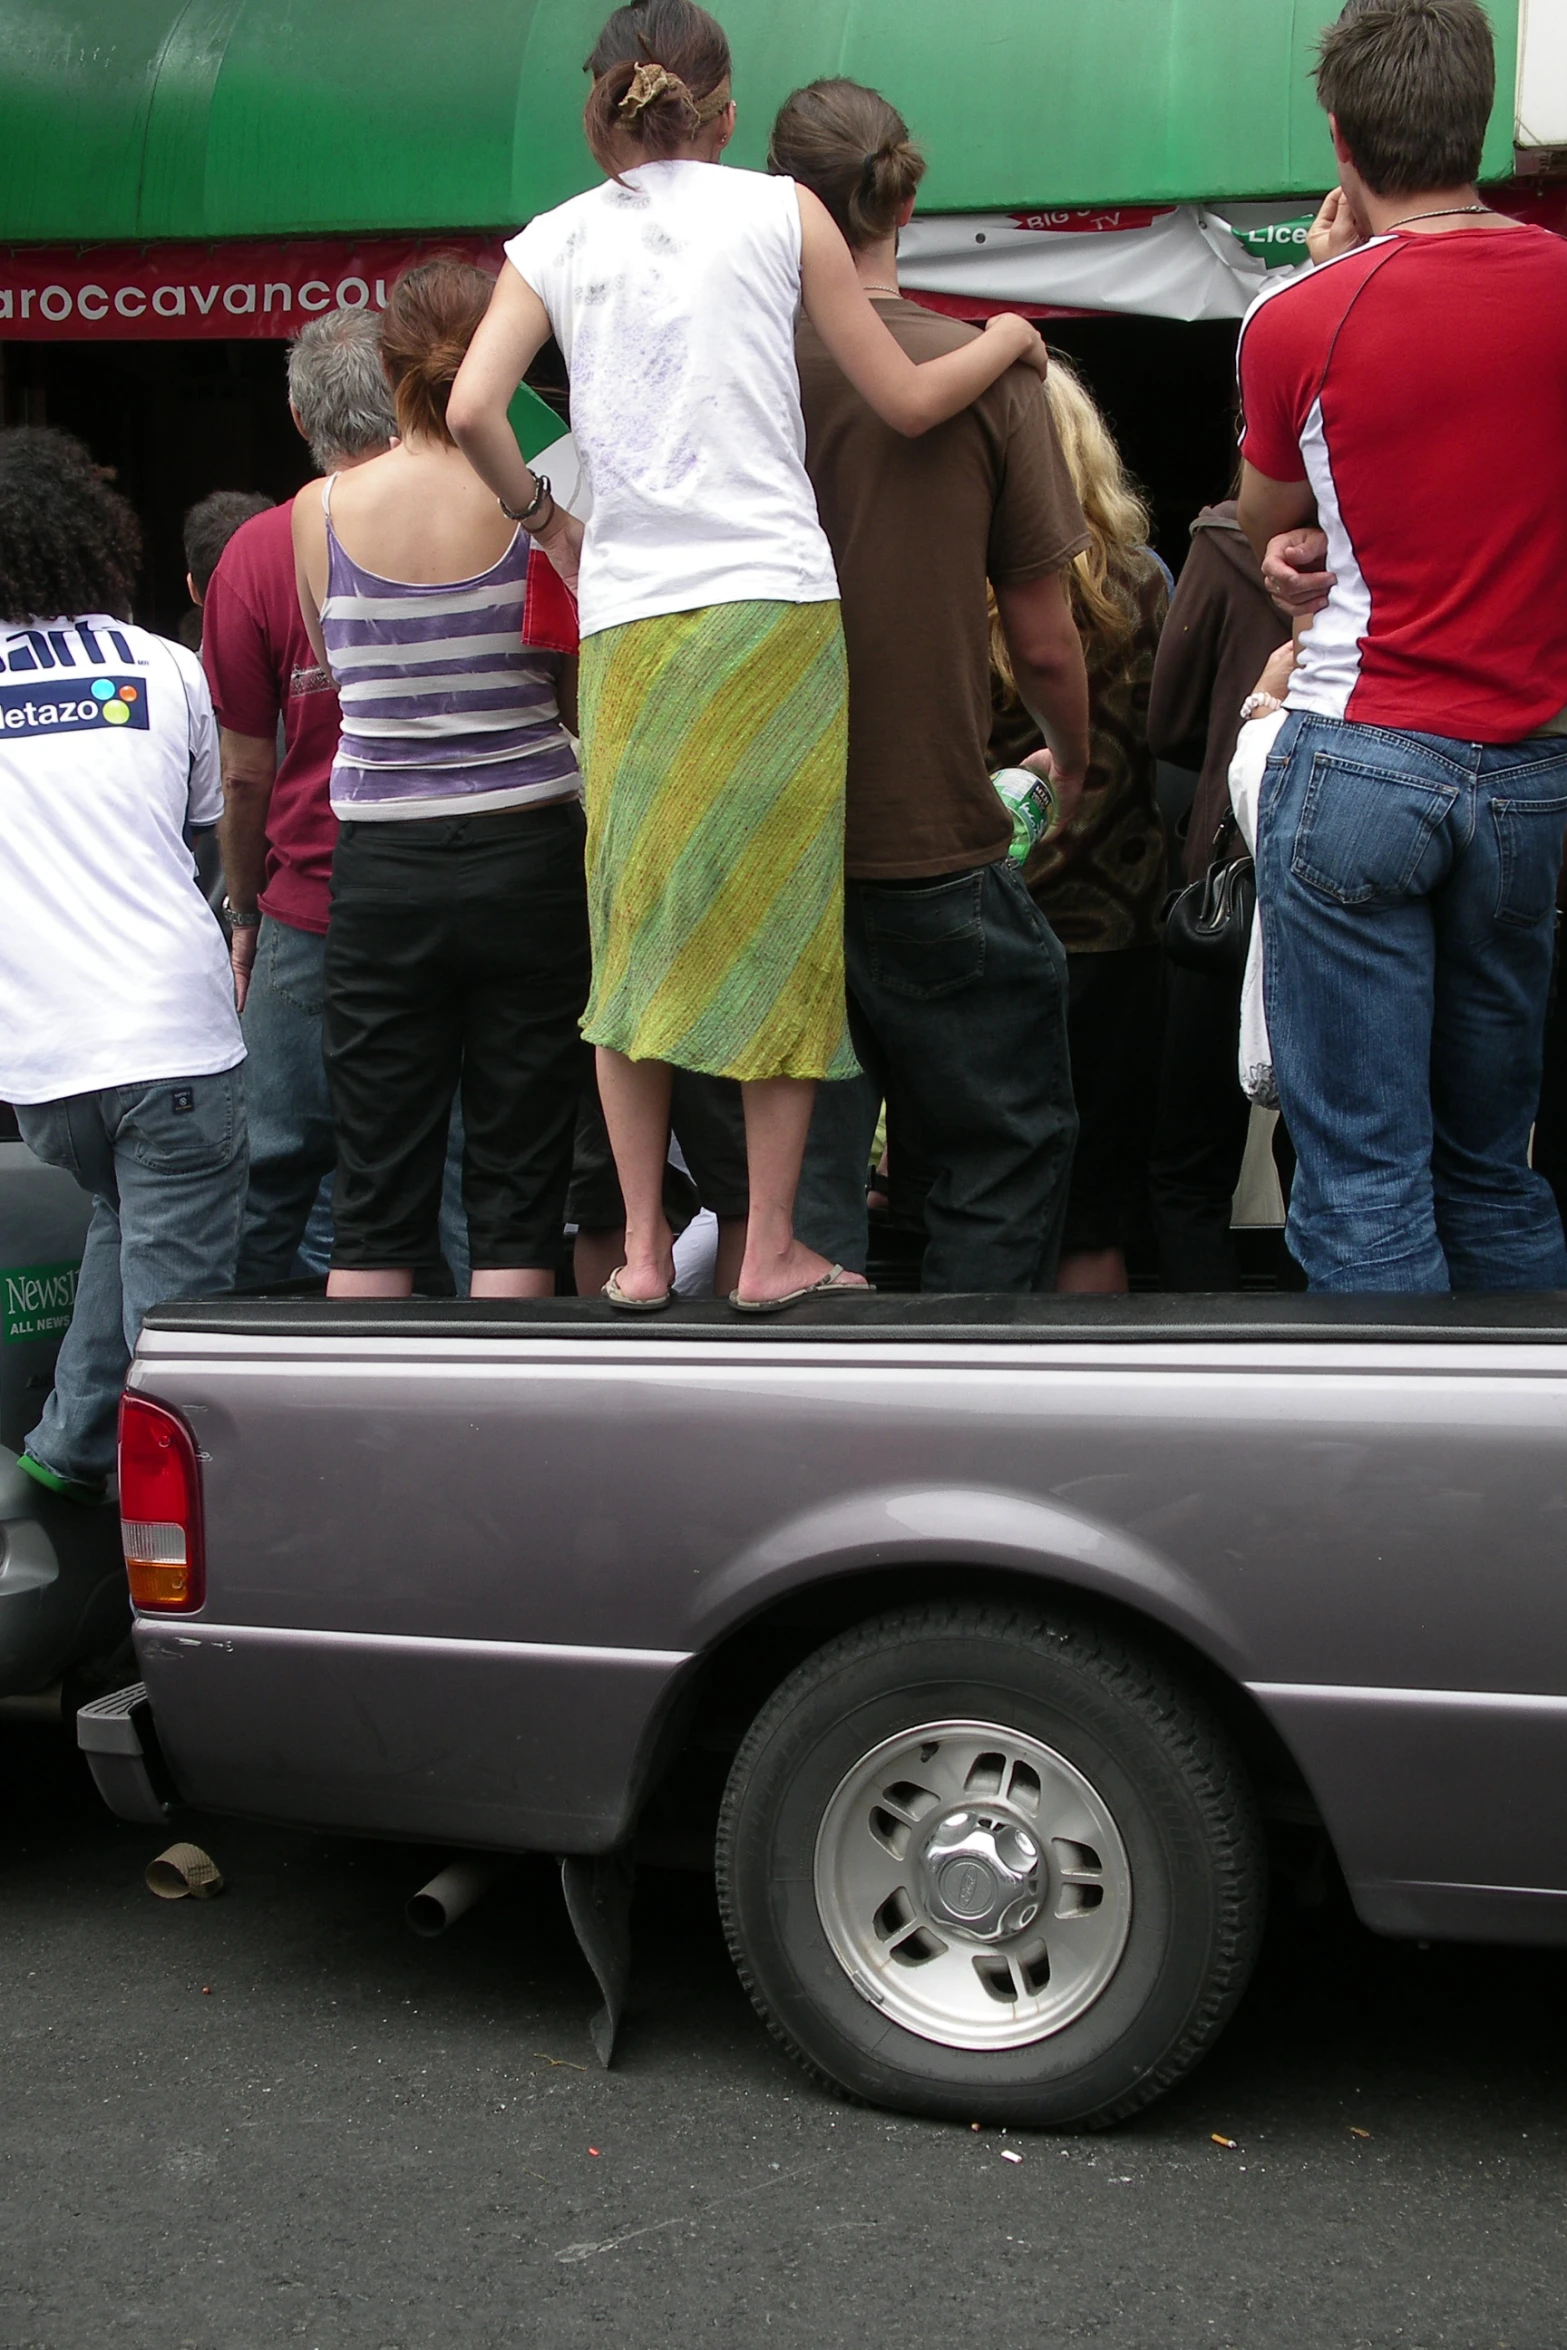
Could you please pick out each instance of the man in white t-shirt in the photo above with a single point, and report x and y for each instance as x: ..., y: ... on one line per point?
x: 120, y: 1048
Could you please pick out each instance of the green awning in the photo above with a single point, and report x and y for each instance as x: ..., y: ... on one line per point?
x: 128, y: 119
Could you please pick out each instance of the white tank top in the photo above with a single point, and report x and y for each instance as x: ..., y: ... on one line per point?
x: 674, y: 299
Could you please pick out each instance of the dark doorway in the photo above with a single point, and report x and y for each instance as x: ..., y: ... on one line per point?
x: 1168, y: 395
x: 174, y: 420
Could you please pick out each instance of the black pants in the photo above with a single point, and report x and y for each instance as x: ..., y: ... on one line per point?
x: 1200, y: 1132
x: 707, y: 1119
x: 457, y: 953
x: 1113, y: 1021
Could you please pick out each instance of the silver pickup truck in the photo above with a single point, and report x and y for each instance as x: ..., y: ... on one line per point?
x: 988, y: 1645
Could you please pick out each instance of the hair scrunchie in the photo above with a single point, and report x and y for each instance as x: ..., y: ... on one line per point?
x: 650, y: 82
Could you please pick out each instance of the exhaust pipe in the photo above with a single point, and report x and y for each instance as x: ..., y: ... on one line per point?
x: 451, y: 1895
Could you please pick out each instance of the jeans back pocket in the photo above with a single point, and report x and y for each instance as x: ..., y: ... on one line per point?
x: 1528, y: 859
x: 185, y: 1126
x: 1368, y: 835
x: 926, y: 942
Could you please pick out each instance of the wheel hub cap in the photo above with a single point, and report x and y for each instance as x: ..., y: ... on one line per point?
x: 982, y: 1875
x: 973, y: 1884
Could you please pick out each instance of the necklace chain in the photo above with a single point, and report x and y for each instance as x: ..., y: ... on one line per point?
x: 1442, y: 212
x: 892, y: 290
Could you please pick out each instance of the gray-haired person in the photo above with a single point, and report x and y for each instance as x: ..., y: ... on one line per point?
x: 278, y: 830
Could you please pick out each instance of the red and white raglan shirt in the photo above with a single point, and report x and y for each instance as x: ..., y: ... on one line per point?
x: 1419, y: 383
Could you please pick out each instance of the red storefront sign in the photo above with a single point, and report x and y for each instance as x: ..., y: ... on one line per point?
x: 177, y: 293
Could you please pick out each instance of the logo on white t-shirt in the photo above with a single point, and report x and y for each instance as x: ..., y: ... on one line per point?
x: 74, y: 706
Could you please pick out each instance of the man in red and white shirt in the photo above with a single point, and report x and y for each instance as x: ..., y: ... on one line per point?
x: 1409, y: 396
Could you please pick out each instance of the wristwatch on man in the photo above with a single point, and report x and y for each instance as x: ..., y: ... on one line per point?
x: 238, y: 921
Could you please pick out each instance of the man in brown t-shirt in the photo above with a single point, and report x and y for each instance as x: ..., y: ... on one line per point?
x: 957, y: 987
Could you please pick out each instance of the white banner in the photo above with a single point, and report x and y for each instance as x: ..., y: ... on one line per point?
x: 1183, y: 263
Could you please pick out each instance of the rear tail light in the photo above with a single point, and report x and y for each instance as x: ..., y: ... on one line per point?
x: 160, y: 1508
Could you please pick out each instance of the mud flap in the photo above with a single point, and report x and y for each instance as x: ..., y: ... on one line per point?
x: 598, y: 1903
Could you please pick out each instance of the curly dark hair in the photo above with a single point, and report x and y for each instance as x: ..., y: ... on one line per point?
x: 68, y: 543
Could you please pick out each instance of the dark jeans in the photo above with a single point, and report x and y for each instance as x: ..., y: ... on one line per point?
x: 1200, y: 1131
x: 458, y: 948
x: 291, y: 1141
x: 958, y: 1010
x: 1408, y: 894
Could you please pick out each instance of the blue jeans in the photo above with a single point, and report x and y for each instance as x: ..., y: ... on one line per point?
x: 293, y: 1146
x: 1408, y: 893
x: 291, y: 1140
x: 958, y: 1010
x: 165, y: 1164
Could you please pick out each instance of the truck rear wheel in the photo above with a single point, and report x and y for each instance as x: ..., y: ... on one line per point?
x: 984, y: 1865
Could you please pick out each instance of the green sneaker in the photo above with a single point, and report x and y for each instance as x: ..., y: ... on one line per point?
x: 89, y: 1493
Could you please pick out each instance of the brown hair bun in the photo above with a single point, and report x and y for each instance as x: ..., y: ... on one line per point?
x: 853, y: 150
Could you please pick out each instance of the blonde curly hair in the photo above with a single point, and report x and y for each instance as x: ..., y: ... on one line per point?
x: 1102, y: 582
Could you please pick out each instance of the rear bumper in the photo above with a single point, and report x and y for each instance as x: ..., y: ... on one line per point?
x: 117, y: 1737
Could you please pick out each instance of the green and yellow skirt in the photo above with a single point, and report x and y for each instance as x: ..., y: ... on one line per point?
x: 714, y: 745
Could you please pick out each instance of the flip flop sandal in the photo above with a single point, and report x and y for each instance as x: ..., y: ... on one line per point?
x: 831, y: 1279
x: 633, y: 1305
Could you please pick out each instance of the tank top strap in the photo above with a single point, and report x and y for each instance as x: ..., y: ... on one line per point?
x: 343, y: 577
x: 513, y: 565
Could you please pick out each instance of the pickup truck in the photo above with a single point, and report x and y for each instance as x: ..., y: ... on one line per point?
x: 989, y: 1646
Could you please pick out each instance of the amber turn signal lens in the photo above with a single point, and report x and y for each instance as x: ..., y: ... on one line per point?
x: 157, y: 1585
x: 160, y: 1507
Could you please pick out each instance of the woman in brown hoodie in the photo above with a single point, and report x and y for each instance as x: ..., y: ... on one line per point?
x: 1222, y: 626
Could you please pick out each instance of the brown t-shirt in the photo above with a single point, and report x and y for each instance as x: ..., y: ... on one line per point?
x: 916, y: 527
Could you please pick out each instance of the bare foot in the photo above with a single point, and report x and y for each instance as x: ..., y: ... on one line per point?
x: 775, y: 1273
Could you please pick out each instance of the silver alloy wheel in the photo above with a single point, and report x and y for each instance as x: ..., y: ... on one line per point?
x: 973, y: 1885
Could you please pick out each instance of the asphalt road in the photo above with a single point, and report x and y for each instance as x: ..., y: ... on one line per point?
x: 280, y: 2118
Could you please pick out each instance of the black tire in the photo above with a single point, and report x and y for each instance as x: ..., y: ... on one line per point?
x: 1162, y: 1767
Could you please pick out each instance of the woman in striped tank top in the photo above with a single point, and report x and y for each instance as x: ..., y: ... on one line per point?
x: 457, y: 951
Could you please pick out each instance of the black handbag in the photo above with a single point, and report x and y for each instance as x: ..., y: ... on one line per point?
x: 1207, y: 925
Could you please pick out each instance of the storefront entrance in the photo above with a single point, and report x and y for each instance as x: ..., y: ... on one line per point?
x: 177, y: 419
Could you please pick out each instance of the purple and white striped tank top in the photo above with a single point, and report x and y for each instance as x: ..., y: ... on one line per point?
x: 445, y: 711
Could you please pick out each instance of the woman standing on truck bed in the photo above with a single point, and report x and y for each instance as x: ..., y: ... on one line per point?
x: 458, y: 943
x: 713, y: 678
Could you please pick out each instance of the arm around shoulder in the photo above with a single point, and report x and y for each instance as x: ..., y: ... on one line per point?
x: 910, y: 396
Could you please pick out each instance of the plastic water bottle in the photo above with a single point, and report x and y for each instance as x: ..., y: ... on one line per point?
x: 1033, y: 804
